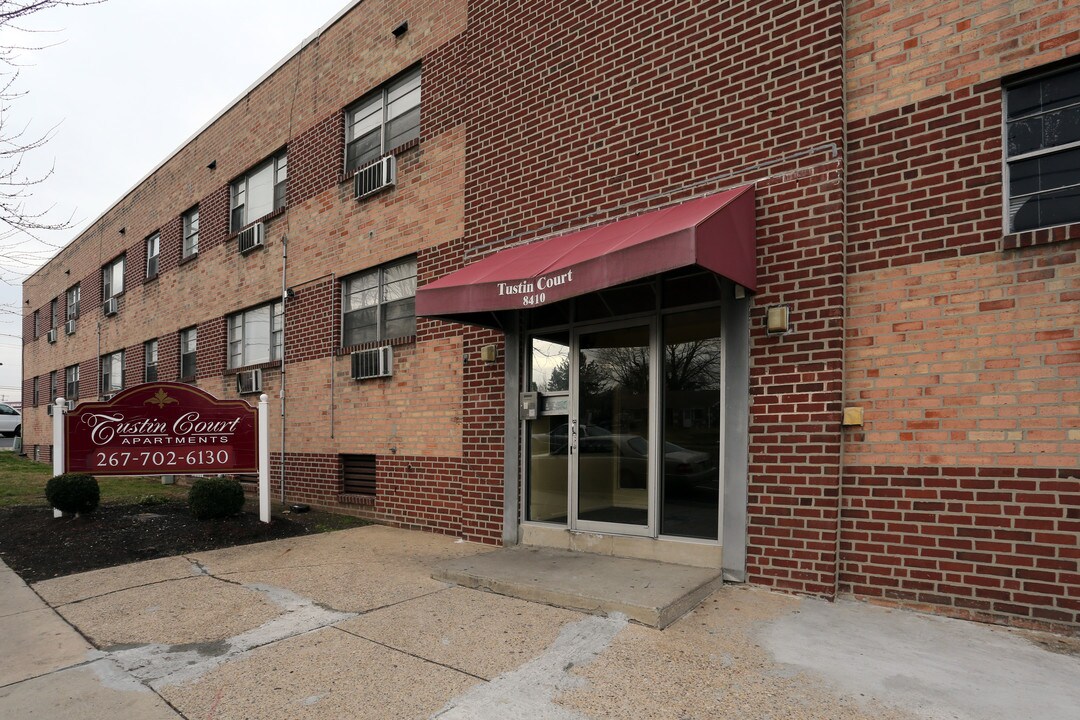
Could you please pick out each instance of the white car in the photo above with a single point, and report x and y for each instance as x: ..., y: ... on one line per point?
x: 10, y: 421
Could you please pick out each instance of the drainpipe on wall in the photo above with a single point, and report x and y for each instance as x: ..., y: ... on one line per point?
x: 284, y: 305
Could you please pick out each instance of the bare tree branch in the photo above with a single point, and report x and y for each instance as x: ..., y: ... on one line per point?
x: 16, y: 186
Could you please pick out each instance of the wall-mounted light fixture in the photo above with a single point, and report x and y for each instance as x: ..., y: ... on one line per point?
x: 401, y: 29
x: 777, y: 319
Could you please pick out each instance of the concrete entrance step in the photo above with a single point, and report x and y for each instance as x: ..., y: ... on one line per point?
x: 649, y: 592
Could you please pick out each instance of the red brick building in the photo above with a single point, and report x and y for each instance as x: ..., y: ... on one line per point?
x: 529, y: 244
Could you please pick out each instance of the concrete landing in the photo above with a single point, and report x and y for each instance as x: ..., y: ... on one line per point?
x: 649, y: 592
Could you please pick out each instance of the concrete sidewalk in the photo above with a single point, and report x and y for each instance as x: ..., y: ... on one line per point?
x: 352, y: 625
x: 49, y: 670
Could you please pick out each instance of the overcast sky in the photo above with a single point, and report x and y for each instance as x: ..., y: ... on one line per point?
x: 125, y: 83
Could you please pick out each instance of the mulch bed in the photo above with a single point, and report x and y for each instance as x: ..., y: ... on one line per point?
x: 39, y: 547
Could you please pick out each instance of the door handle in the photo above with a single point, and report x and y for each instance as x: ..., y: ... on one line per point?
x: 573, y: 436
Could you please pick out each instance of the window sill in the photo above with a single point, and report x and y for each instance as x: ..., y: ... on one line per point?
x: 350, y: 499
x: 150, y: 278
x: 393, y: 342
x: 1041, y: 236
x: 272, y: 215
x: 188, y: 258
x: 271, y: 365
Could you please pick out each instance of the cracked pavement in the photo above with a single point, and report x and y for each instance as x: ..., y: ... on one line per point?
x: 351, y: 625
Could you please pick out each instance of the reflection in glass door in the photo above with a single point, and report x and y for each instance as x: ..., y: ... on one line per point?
x: 547, y: 437
x: 610, y: 433
x: 693, y: 379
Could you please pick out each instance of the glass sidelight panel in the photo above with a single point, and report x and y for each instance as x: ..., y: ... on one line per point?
x: 692, y: 412
x: 547, y: 436
x: 613, y: 426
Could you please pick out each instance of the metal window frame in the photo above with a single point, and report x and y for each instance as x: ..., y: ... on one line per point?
x: 71, y: 382
x: 1007, y: 161
x: 189, y: 247
x: 383, y: 93
x: 146, y: 359
x: 276, y: 161
x: 189, y: 333
x: 276, y: 323
x: 74, y: 297
x: 109, y: 357
x: 380, y: 303
x: 155, y: 240
x: 107, y: 271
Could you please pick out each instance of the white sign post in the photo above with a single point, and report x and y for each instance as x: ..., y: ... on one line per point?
x: 59, y: 407
x: 264, y: 458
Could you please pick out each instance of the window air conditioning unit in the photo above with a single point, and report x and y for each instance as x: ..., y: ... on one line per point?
x: 373, y: 363
x: 49, y: 409
x: 107, y: 396
x: 375, y: 177
x: 69, y: 327
x: 70, y: 405
x: 249, y: 381
x: 111, y: 306
x: 250, y: 238
x: 51, y: 335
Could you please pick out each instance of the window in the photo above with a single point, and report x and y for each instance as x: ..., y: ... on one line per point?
x: 191, y: 233
x: 112, y: 279
x: 34, y: 391
x: 73, y: 302
x: 71, y: 380
x: 53, y: 304
x: 382, y: 121
x: 255, y: 335
x: 153, y: 247
x: 112, y: 372
x: 1042, y: 118
x: 260, y: 192
x: 37, y: 324
x: 52, y: 387
x: 188, y: 343
x: 150, y: 362
x: 380, y: 304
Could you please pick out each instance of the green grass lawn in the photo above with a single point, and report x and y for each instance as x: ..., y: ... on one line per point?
x: 22, y: 482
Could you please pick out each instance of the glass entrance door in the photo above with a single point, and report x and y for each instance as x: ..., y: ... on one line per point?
x: 612, y: 430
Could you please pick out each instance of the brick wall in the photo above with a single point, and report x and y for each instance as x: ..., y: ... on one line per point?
x: 963, y: 342
x: 904, y: 51
x: 634, y: 106
x: 995, y: 544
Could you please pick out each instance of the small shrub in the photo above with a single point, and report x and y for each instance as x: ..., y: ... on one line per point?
x: 152, y: 500
x: 215, y: 497
x: 73, y: 493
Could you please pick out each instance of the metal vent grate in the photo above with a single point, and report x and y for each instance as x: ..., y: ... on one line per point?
x: 358, y: 472
x: 373, y: 363
x: 250, y: 238
x: 249, y: 381
x: 375, y: 177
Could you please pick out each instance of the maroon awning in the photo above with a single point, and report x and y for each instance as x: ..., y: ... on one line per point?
x: 714, y: 232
